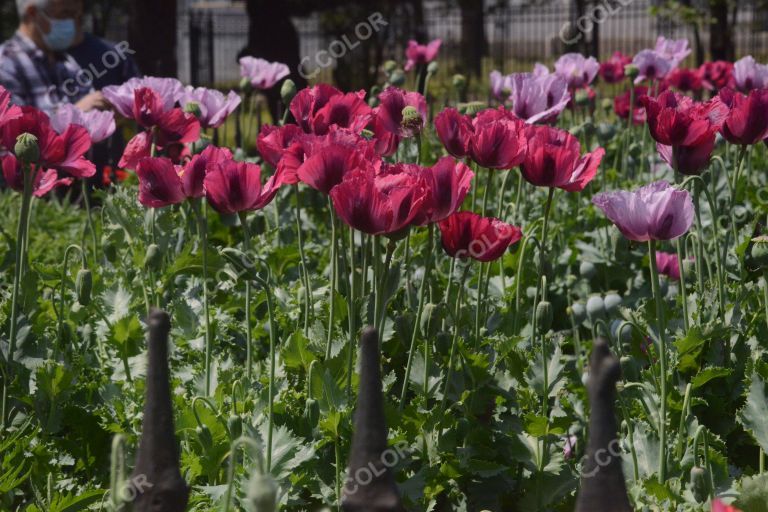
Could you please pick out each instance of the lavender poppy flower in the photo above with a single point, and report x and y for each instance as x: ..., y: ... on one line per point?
x: 538, y: 98
x: 577, y: 70
x: 750, y: 74
x: 99, y: 124
x: 121, y: 97
x: 674, y: 50
x: 501, y: 85
x: 652, y: 65
x: 654, y: 212
x: 262, y: 73
x: 214, y: 106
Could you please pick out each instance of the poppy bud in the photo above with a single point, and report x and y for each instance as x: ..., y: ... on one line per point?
x: 582, y: 98
x: 587, y: 270
x: 460, y: 82
x: 595, y: 308
x: 700, y: 483
x: 262, y: 493
x: 472, y: 108
x: 412, y: 120
x: 612, y: 301
x: 204, y: 436
x: 153, y: 257
x: 83, y: 286
x: 193, y: 108
x: 760, y: 252
x: 389, y: 66
x: 312, y: 412
x: 246, y: 86
x: 631, y: 71
x: 27, y: 149
x: 607, y: 104
x: 397, y: 78
x: 432, y: 67
x: 235, y: 426
x: 544, y: 316
x: 288, y: 91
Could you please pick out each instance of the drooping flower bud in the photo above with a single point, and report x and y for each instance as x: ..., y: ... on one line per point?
x: 544, y: 316
x: 459, y: 82
x: 389, y: 66
x: 412, y: 120
x: 700, y: 483
x: 288, y: 91
x: 262, y: 493
x: 245, y: 85
x: 84, y: 286
x: 27, y: 149
x: 759, y: 252
x: 432, y: 67
x: 153, y: 257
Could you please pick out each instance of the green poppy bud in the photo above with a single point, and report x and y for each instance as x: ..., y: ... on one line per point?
x: 397, y: 78
x: 631, y: 71
x: 262, y: 494
x: 759, y: 252
x: 432, y: 67
x: 312, y: 412
x: 459, y: 82
x: 84, y: 286
x: 193, y: 108
x: 472, y: 108
x: 544, y: 316
x: 389, y: 66
x: 245, y: 85
x: 204, y: 436
x: 153, y: 257
x: 27, y: 149
x: 700, y: 483
x: 288, y: 91
x: 235, y: 426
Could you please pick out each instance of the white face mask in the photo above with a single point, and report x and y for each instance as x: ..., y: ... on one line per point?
x: 62, y: 33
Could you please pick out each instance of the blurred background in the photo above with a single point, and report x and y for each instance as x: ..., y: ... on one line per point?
x: 200, y: 41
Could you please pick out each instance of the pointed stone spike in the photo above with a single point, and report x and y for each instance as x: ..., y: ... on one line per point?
x: 156, y: 481
x: 370, y: 486
x: 603, y: 488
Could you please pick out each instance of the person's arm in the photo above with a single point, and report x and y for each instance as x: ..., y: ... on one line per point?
x: 10, y: 81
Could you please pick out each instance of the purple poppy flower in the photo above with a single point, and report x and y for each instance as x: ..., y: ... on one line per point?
x: 674, y: 50
x: 654, y: 212
x: 577, y: 70
x: 501, y: 85
x: 262, y: 73
x: 652, y: 65
x: 121, y: 97
x: 750, y: 74
x: 420, y: 54
x: 540, y: 69
x: 538, y: 98
x: 569, y: 448
x: 99, y: 124
x: 214, y: 106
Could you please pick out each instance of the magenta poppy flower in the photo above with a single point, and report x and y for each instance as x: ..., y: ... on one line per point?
x: 668, y: 265
x: 235, y: 187
x: 654, y: 212
x: 691, y: 159
x: 420, y: 55
x: 214, y: 106
x: 612, y: 70
x: 554, y: 159
x: 63, y: 152
x: 193, y: 174
x: 674, y: 50
x: 498, y: 140
x: 621, y: 105
x: 454, y: 131
x: 7, y: 111
x: 379, y: 204
x: 686, y: 79
x: 43, y: 182
x: 651, y: 66
x: 469, y: 235
x: 676, y: 120
x: 122, y: 96
x: 749, y: 74
x: 273, y: 141
x: 447, y: 184
x: 388, y: 118
x: 321, y: 107
x: 262, y: 73
x: 717, y: 75
x: 746, y: 121
x: 100, y: 124
x: 539, y: 98
x: 578, y: 71
x: 159, y: 182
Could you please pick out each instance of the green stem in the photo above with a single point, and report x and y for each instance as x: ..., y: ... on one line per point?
x: 308, y: 309
x: 89, y: 220
x: 202, y: 219
x: 454, y: 342
x: 231, y: 470
x: 334, y: 271
x: 353, y: 309
x: 539, y: 282
x: 679, y: 243
x: 62, y: 292
x: 662, y: 364
x: 248, y: 348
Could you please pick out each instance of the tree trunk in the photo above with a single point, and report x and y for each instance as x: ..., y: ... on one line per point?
x: 473, y: 43
x: 152, y: 35
x: 720, y: 33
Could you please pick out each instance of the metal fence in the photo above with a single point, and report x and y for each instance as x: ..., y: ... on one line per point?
x: 517, y: 35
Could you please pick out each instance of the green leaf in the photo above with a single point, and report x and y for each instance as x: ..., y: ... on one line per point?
x: 709, y: 374
x: 754, y: 415
x: 296, y: 353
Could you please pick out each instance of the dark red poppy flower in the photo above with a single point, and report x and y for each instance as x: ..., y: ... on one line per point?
x: 469, y: 235
x: 159, y: 182
x: 43, y: 182
x: 675, y: 119
x: 235, y: 187
x: 446, y: 184
x: 554, y: 159
x: 63, y: 152
x: 686, y: 79
x: 747, y: 119
x: 454, y: 130
x: 388, y: 118
x: 717, y: 75
x: 318, y: 108
x: 193, y: 174
x: 612, y: 70
x: 498, y: 141
x: 273, y: 141
x: 689, y: 160
x: 379, y: 204
x: 621, y: 105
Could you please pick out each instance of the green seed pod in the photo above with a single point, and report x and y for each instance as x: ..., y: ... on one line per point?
x: 473, y: 107
x: 204, y: 436
x: 235, y: 426
x: 700, y: 483
x: 595, y: 308
x: 27, y: 148
x: 84, y: 286
x: 262, y: 493
x: 288, y: 91
x: 389, y: 66
x: 544, y: 316
x: 759, y: 252
x: 587, y: 270
x: 312, y: 412
x: 459, y: 82
x: 153, y: 257
x: 412, y: 120
x: 397, y: 78
x: 612, y: 301
x: 631, y: 71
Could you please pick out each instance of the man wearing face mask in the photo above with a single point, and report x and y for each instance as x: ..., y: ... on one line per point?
x: 34, y: 67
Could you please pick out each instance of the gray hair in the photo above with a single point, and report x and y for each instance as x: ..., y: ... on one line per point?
x: 23, y: 5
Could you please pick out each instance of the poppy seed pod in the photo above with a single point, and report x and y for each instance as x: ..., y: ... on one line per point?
x: 84, y: 286
x: 578, y: 312
x: 262, y: 493
x: 459, y: 82
x: 595, y: 308
x: 397, y: 78
x: 288, y: 91
x: 612, y: 301
x: 412, y: 120
x: 759, y: 252
x: 27, y: 148
x: 587, y: 270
